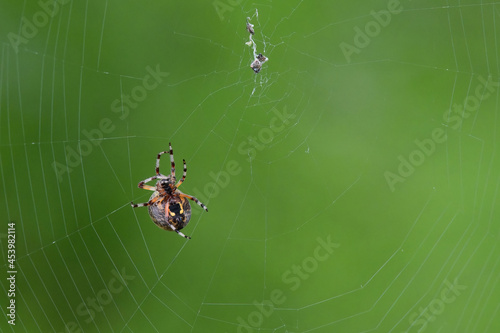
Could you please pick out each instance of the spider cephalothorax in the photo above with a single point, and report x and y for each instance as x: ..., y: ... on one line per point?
x: 166, y: 186
x: 168, y: 207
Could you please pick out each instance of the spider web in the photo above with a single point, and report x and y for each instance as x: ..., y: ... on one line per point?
x: 286, y: 160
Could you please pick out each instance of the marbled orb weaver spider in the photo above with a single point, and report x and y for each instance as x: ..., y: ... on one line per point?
x: 168, y: 207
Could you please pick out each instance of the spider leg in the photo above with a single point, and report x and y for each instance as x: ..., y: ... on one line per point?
x: 183, y: 175
x: 157, y: 170
x: 147, y: 187
x: 172, y: 161
x: 194, y: 199
x: 171, y: 152
x: 170, y: 225
x: 150, y: 202
x: 139, y: 205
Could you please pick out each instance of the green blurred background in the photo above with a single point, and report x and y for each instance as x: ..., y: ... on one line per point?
x: 81, y: 126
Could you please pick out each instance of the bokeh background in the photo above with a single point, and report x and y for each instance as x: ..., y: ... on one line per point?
x: 369, y: 160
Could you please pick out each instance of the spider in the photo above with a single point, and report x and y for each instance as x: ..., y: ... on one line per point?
x: 168, y: 207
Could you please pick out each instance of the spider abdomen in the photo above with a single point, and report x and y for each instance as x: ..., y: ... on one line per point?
x: 178, y: 213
